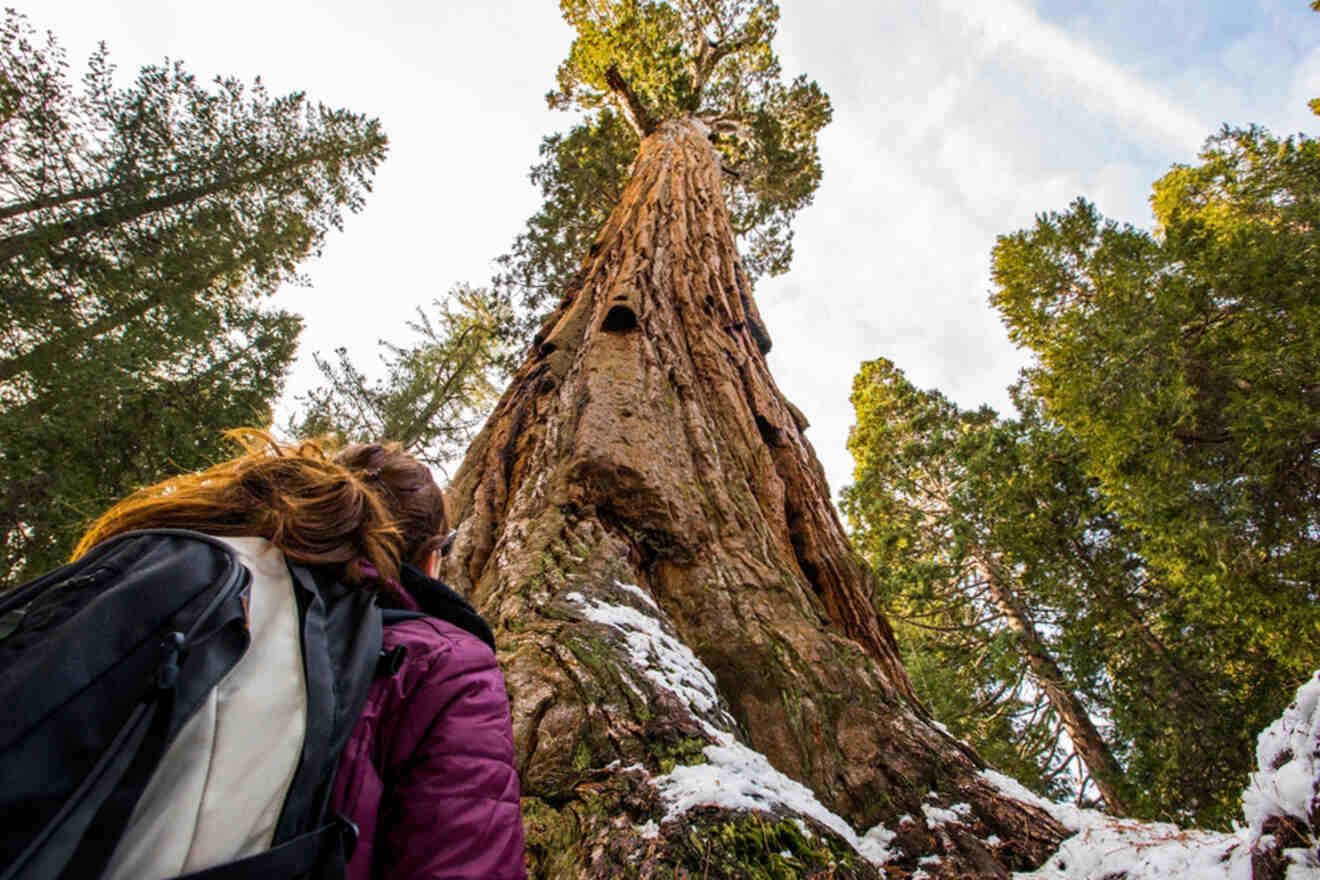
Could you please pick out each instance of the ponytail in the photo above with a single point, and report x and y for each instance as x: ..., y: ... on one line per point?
x: 314, y: 509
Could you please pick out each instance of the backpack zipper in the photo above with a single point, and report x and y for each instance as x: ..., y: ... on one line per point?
x: 177, y: 644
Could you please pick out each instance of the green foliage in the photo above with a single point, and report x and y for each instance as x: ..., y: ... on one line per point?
x: 1184, y: 363
x: 434, y: 392
x: 1155, y: 504
x: 636, y: 64
x: 581, y: 176
x: 945, y: 499
x: 977, y: 688
x: 121, y: 418
x: 756, y: 846
x: 139, y: 227
x: 920, y: 515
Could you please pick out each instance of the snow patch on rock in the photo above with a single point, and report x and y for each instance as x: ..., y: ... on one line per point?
x: 937, y: 816
x: 881, y: 837
x: 638, y: 592
x: 663, y: 659
x: 734, y: 776
x: 739, y: 778
x: 1287, y: 782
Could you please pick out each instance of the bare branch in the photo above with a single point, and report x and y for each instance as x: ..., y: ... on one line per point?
x: 631, y: 105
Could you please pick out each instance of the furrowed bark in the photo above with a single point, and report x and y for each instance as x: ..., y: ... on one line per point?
x: 643, y: 509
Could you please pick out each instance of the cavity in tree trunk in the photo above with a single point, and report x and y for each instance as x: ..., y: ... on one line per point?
x: 649, y: 530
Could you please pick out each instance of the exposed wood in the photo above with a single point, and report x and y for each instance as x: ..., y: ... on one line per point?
x: 633, y: 108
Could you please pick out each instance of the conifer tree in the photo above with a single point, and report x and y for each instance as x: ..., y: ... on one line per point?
x: 935, y: 508
x: 1184, y: 363
x: 139, y: 228
x: 1013, y: 581
x: 435, y: 391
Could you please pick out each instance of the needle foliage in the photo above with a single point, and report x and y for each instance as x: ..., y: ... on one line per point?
x: 140, y: 227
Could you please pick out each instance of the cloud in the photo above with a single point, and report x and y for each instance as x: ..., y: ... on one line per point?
x: 1066, y: 64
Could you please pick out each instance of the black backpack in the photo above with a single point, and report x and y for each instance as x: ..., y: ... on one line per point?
x: 103, y: 661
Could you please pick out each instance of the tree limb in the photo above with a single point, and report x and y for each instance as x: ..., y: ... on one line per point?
x: 633, y: 109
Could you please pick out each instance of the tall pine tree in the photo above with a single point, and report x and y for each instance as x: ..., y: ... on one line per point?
x: 1184, y: 362
x: 1014, y: 581
x: 936, y: 511
x: 435, y: 391
x: 139, y: 228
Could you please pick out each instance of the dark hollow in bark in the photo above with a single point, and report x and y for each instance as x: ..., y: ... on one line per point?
x: 619, y: 319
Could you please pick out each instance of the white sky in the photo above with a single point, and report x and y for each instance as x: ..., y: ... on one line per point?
x: 955, y: 121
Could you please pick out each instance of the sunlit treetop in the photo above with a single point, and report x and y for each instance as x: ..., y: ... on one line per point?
x: 638, y: 63
x: 709, y: 59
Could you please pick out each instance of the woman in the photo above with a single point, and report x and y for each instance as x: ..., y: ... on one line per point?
x: 427, y: 774
x: 441, y: 798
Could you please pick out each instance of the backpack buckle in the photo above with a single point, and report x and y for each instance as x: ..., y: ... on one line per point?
x: 167, y: 674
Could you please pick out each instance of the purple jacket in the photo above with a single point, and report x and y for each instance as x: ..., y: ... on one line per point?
x: 428, y: 773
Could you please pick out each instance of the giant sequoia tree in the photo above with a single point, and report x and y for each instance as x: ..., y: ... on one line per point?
x: 635, y: 64
x: 699, y: 682
x: 139, y: 228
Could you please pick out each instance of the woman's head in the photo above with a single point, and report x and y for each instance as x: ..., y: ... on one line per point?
x: 409, y: 493
x: 317, y: 510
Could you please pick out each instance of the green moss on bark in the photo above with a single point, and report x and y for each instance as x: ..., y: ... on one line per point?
x: 753, y: 846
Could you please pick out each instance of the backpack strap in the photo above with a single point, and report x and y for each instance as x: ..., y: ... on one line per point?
x: 323, y: 853
x: 342, y: 631
x: 341, y: 639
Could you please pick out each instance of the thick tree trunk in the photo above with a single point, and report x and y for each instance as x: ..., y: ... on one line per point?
x: 691, y: 653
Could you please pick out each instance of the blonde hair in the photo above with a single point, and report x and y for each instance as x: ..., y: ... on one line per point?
x: 316, y: 510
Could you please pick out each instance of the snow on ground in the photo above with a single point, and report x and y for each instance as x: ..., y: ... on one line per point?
x: 1287, y: 784
x: 734, y: 776
x: 1104, y: 846
x: 737, y: 777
